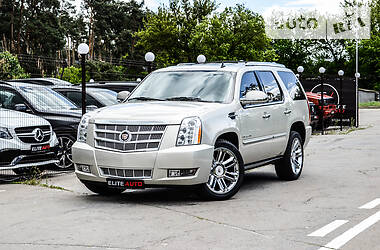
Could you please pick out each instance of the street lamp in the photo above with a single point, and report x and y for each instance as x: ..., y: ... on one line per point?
x: 201, y: 59
x: 322, y: 70
x: 357, y: 76
x: 149, y: 58
x: 83, y: 50
x: 341, y: 73
x: 300, y: 70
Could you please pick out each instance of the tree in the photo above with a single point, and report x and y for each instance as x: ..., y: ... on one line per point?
x: 235, y: 34
x: 169, y: 31
x: 10, y: 68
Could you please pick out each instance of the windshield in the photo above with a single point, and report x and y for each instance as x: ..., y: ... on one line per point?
x: 105, y: 96
x: 186, y: 86
x: 45, y: 99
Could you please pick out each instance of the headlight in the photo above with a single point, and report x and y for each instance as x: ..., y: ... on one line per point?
x: 190, y: 132
x: 4, y: 133
x: 82, y: 128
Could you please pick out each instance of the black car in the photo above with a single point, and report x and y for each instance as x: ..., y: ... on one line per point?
x: 44, y: 81
x: 94, y: 96
x: 63, y: 115
x: 115, y: 86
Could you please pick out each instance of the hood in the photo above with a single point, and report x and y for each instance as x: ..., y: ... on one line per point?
x: 76, y: 113
x: 15, y: 119
x: 154, y: 112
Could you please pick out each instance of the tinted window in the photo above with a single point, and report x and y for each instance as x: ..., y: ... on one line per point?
x: 9, y: 99
x: 248, y: 82
x: 271, y: 86
x: 293, y: 85
x: 76, y: 97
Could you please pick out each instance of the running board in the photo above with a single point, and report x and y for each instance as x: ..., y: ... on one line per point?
x: 261, y: 163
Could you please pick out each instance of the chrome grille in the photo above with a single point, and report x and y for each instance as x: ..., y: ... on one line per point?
x: 142, y: 137
x: 26, y: 135
x: 126, y: 173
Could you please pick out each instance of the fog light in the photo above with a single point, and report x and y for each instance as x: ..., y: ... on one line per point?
x: 182, y: 172
x: 83, y: 168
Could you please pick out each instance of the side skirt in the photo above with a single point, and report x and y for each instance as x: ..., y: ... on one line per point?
x: 261, y: 163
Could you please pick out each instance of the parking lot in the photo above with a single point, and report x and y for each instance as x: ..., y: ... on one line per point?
x: 341, y: 176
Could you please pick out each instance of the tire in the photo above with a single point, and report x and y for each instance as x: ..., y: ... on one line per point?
x: 101, y: 188
x: 64, y: 153
x: 225, y: 179
x: 289, y: 168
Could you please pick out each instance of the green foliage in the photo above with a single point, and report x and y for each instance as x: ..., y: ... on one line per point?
x: 72, y: 74
x: 235, y: 34
x: 373, y: 105
x: 10, y: 67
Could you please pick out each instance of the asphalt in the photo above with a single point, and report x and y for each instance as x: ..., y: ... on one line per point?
x: 341, y: 174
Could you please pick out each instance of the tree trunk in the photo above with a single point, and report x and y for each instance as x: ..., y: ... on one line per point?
x: 19, y: 28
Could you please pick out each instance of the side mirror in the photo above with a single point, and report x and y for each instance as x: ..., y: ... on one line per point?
x: 21, y: 107
x: 121, y: 96
x: 91, y: 107
x: 254, y: 97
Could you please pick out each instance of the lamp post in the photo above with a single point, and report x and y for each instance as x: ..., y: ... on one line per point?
x: 83, y: 51
x: 300, y: 70
x: 341, y: 73
x: 322, y: 70
x: 357, y: 76
x: 149, y: 58
x: 201, y: 59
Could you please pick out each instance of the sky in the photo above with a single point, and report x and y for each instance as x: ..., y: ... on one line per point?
x: 260, y: 6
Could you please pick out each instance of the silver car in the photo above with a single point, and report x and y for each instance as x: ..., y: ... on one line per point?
x: 197, y: 124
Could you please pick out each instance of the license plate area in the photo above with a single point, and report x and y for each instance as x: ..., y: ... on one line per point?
x: 40, y: 148
x: 125, y: 184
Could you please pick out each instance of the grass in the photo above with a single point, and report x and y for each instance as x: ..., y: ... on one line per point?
x: 369, y: 105
x: 35, y: 181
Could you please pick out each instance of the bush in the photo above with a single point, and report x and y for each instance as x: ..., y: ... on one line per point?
x: 10, y: 67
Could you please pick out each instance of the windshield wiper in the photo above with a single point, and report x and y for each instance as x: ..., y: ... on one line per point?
x: 185, y: 98
x: 144, y: 98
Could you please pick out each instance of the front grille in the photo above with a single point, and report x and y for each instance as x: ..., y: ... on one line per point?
x: 26, y: 135
x: 142, y: 137
x: 126, y: 173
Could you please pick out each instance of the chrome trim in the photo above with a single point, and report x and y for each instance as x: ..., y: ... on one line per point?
x: 134, y: 123
x: 26, y: 165
x: 146, y: 173
x: 264, y: 138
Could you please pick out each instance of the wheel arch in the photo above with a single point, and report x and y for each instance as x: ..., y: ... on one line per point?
x: 230, y: 136
x: 299, y: 127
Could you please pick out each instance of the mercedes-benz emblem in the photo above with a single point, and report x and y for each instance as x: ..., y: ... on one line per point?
x: 125, y: 136
x: 38, y: 135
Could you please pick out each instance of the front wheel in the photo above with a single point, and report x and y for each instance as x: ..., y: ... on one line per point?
x: 227, y: 172
x: 64, y: 154
x: 290, y: 166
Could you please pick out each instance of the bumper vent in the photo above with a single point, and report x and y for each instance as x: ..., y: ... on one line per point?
x: 126, y: 173
x: 128, y: 138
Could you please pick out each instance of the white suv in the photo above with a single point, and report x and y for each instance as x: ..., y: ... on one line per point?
x: 197, y: 124
x: 25, y: 141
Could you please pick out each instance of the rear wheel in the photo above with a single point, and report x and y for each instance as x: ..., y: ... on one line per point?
x: 227, y: 172
x: 101, y: 188
x: 290, y: 166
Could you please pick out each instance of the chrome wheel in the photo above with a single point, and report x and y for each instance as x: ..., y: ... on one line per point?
x: 296, y: 156
x: 64, y: 153
x: 224, y: 172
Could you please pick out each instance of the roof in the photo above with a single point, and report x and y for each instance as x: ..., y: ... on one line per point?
x: 77, y: 88
x: 222, y: 66
x: 18, y: 84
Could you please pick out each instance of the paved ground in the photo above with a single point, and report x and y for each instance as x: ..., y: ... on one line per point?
x: 342, y: 173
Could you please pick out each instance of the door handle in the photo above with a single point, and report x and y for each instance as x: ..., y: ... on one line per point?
x: 266, y: 115
x: 287, y: 112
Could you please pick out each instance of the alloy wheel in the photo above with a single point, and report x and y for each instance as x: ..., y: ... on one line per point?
x: 64, y: 153
x: 224, y: 172
x: 296, y: 156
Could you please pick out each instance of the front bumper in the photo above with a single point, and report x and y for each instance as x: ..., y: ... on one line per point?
x: 14, y: 158
x: 158, y: 162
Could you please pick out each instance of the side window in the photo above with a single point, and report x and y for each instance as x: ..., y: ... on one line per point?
x: 75, y: 97
x: 271, y: 86
x: 248, y: 82
x: 9, y: 99
x: 293, y: 85
x: 91, y: 101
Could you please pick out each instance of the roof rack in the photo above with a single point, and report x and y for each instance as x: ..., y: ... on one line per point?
x: 272, y: 64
